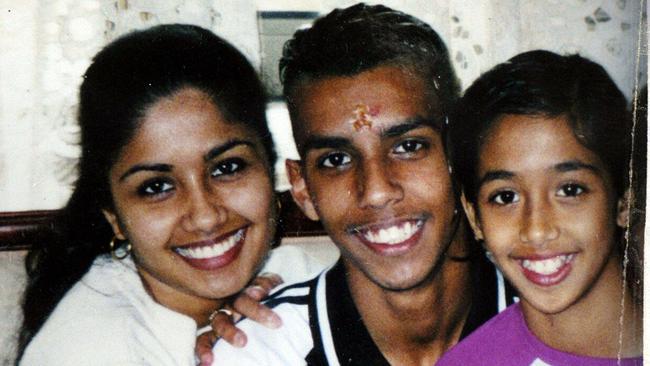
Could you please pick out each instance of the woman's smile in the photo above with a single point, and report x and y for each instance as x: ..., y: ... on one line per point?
x: 192, y: 194
x: 215, y: 253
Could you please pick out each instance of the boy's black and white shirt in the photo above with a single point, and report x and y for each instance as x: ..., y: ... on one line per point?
x: 321, y: 325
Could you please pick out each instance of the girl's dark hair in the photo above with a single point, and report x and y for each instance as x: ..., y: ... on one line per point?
x: 542, y: 83
x: 124, y: 79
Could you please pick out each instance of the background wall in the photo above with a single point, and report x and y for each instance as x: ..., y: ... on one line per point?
x: 47, y: 45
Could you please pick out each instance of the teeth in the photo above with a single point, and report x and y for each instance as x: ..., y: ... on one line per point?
x: 394, y: 234
x: 547, y: 266
x: 214, y: 250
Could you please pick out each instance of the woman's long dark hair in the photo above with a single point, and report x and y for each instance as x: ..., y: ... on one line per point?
x: 126, y: 77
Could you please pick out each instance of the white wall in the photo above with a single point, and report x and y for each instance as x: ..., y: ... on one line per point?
x: 46, y: 46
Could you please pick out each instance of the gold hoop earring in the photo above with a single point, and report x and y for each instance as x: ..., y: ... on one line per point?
x: 119, y: 251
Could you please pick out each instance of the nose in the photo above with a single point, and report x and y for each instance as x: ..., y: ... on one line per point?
x: 204, y: 211
x: 538, y: 226
x: 378, y: 187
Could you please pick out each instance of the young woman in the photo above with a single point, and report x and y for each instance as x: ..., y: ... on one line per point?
x: 541, y: 145
x: 173, y: 211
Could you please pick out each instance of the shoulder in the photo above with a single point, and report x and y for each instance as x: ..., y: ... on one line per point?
x: 288, y: 345
x: 298, y: 261
x: 106, y: 318
x: 73, y: 336
x: 86, y: 317
x: 99, y: 299
x: 489, y: 341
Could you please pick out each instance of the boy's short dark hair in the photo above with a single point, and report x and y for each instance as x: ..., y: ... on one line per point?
x: 545, y: 84
x: 349, y: 41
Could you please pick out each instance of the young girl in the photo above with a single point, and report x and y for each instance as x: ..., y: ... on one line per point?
x: 541, y: 145
x: 173, y: 211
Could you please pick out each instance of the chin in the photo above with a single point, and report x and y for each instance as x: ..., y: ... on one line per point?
x: 546, y: 304
x: 225, y: 284
x: 401, y: 281
x: 223, y: 291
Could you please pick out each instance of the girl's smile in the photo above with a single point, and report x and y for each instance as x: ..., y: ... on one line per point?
x: 547, y: 270
x: 541, y: 145
x: 547, y: 211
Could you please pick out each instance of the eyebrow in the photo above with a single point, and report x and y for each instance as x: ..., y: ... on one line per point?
x: 231, y: 144
x: 335, y: 142
x: 573, y: 165
x: 495, y: 175
x: 214, y: 152
x: 408, y: 125
x: 567, y: 166
x: 146, y: 167
x: 322, y: 142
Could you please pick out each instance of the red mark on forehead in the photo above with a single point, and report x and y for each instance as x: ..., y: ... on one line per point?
x: 362, y: 116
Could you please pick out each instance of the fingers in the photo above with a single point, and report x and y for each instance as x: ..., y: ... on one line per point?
x: 262, y: 285
x: 250, y: 307
x: 223, y: 326
x: 203, y: 348
x: 247, y: 303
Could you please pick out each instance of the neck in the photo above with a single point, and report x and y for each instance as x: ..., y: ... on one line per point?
x: 415, y: 326
x: 607, y: 313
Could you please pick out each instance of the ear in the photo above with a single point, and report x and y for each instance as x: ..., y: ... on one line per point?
x: 115, y: 224
x: 471, y: 217
x: 299, y: 190
x: 623, y: 209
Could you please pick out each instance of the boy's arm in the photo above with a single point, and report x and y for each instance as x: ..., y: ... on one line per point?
x: 248, y: 304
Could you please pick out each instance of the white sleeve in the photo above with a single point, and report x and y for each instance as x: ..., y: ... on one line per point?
x: 287, y: 346
x: 296, y: 263
x: 108, y: 319
x: 77, y: 344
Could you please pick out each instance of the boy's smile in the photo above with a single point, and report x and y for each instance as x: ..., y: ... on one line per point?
x: 390, y: 238
x: 381, y: 188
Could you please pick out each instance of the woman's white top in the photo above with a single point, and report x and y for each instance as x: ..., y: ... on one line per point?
x: 107, y: 318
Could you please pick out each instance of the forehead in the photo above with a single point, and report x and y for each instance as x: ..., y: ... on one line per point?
x: 186, y: 121
x: 526, y: 143
x: 386, y: 94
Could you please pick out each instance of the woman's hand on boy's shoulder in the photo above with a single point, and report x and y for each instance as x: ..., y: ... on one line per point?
x: 248, y: 304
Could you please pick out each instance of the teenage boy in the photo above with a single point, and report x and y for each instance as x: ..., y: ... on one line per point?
x: 368, y: 91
